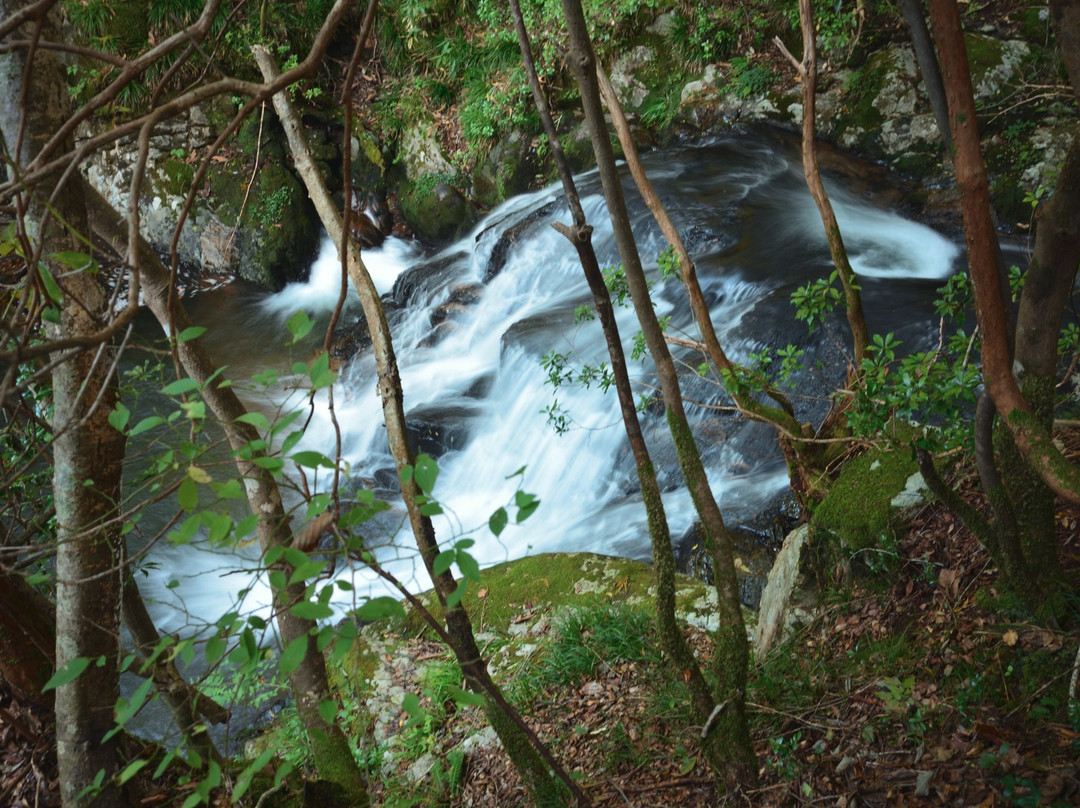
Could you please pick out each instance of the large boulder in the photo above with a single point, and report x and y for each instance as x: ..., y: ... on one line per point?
x: 253, y: 222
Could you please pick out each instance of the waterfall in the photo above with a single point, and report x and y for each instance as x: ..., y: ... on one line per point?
x: 472, y: 324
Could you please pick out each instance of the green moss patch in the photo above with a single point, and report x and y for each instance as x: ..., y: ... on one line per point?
x: 863, y: 505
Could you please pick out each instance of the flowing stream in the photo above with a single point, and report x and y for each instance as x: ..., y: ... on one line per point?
x: 472, y: 324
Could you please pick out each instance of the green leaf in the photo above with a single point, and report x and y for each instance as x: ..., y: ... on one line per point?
x: 293, y: 655
x: 443, y: 561
x: 307, y: 570
x: 299, y: 325
x: 283, y: 422
x: 312, y: 460
x: 457, y: 594
x: 66, y: 674
x: 468, y: 566
x: 74, y: 260
x: 290, y: 441
x: 190, y: 333
x: 328, y: 710
x: 271, y: 464
x: 295, y: 557
x: 180, y: 386
x: 145, y: 424
x: 380, y: 607
x: 426, y: 471
x: 186, y: 532
x: 243, y: 781
x: 47, y: 280
x: 230, y: 489
x: 118, y: 418
x: 467, y: 697
x: 411, y: 705
x: 126, y: 709
x: 188, y: 495
x: 498, y: 521
x: 527, y: 505
x: 247, y: 525
x: 306, y: 610
x: 256, y: 419
x: 215, y: 650
x: 320, y: 373
x: 131, y: 770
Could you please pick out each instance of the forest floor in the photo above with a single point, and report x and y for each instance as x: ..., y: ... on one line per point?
x: 918, y: 682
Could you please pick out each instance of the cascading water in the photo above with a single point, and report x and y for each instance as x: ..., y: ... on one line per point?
x: 472, y: 324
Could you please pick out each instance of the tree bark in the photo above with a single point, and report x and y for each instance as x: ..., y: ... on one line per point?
x: 731, y: 657
x: 183, y: 699
x: 923, y: 46
x: 807, y: 70
x: 87, y: 451
x: 309, y: 683
x: 1032, y: 438
x: 580, y: 236
x: 535, y: 765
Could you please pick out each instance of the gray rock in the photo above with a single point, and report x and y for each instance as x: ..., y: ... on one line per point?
x: 786, y: 599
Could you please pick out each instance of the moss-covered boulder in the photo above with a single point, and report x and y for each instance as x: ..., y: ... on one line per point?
x: 868, y: 506
x: 510, y: 168
x: 435, y: 209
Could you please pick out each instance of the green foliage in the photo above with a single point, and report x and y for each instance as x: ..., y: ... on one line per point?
x: 748, y: 79
x: 858, y: 506
x: 588, y: 636
x: 817, y: 299
x: 128, y: 28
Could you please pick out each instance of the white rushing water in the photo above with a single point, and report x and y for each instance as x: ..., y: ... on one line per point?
x: 482, y: 385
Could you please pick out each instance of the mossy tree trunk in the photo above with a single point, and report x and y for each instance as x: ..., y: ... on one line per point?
x: 1023, y: 468
x: 580, y: 236
x: 731, y: 657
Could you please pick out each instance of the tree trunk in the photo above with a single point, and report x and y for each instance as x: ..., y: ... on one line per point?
x: 183, y: 699
x: 535, y: 765
x: 928, y: 65
x: 728, y: 721
x: 87, y: 451
x: 807, y: 70
x: 580, y: 236
x: 309, y: 682
x: 1032, y: 438
x: 27, y: 638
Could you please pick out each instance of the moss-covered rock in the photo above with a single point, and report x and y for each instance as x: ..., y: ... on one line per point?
x: 869, y: 502
x: 510, y: 168
x: 435, y: 209
x: 277, y: 234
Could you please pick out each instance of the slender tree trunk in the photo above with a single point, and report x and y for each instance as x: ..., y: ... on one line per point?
x: 1048, y: 284
x: 807, y: 70
x: 807, y: 461
x: 1032, y: 438
x: 539, y: 771
x: 87, y: 452
x: 183, y: 699
x: 580, y: 236
x: 928, y: 65
x: 309, y: 682
x: 731, y: 656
